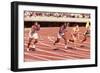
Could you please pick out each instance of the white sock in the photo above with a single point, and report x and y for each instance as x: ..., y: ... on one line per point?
x: 33, y: 46
x: 27, y: 49
x: 65, y: 46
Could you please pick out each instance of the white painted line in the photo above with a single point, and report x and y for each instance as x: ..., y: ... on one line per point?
x: 53, y: 53
x: 79, y: 44
x: 68, y: 54
x: 29, y: 60
x: 50, y: 39
x: 72, y: 52
x: 45, y: 44
x: 36, y: 56
x: 64, y: 45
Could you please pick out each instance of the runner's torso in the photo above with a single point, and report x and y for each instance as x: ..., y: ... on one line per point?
x: 34, y: 29
x: 62, y: 29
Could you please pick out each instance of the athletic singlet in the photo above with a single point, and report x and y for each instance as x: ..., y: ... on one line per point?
x: 62, y: 29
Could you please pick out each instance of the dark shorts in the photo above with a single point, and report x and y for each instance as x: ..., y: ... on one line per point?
x: 87, y: 33
x: 60, y: 35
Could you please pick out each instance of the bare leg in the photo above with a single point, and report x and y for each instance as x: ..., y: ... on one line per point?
x: 33, y: 47
x: 71, y: 40
x: 30, y: 40
x: 84, y: 39
x: 75, y: 39
x: 65, y: 40
x: 57, y: 40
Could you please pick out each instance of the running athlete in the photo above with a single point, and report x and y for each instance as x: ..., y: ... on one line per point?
x: 87, y: 32
x: 33, y: 35
x: 75, y: 34
x: 61, y: 34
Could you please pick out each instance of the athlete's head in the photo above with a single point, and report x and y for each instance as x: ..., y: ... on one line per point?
x: 76, y: 25
x: 36, y: 23
x: 87, y: 24
x: 66, y: 24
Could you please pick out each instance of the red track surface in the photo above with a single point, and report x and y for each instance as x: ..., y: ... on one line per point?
x: 44, y: 48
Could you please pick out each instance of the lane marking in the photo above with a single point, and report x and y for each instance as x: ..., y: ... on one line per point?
x: 57, y: 54
x: 50, y: 39
x: 29, y: 54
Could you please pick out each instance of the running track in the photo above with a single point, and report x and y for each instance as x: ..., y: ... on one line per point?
x: 44, y: 48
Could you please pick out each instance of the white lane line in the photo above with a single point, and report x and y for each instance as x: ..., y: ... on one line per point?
x: 52, y: 57
x: 65, y: 55
x: 75, y: 48
x: 64, y: 45
x: 86, y: 43
x: 38, y: 57
x: 75, y: 53
x: 50, y: 39
x: 82, y: 53
x: 44, y: 44
x: 29, y: 60
x: 85, y: 50
x: 80, y: 44
x: 56, y: 54
x: 60, y: 44
x: 49, y: 56
x: 69, y: 54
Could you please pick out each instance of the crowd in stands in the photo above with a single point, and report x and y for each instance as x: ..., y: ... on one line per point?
x: 55, y: 14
